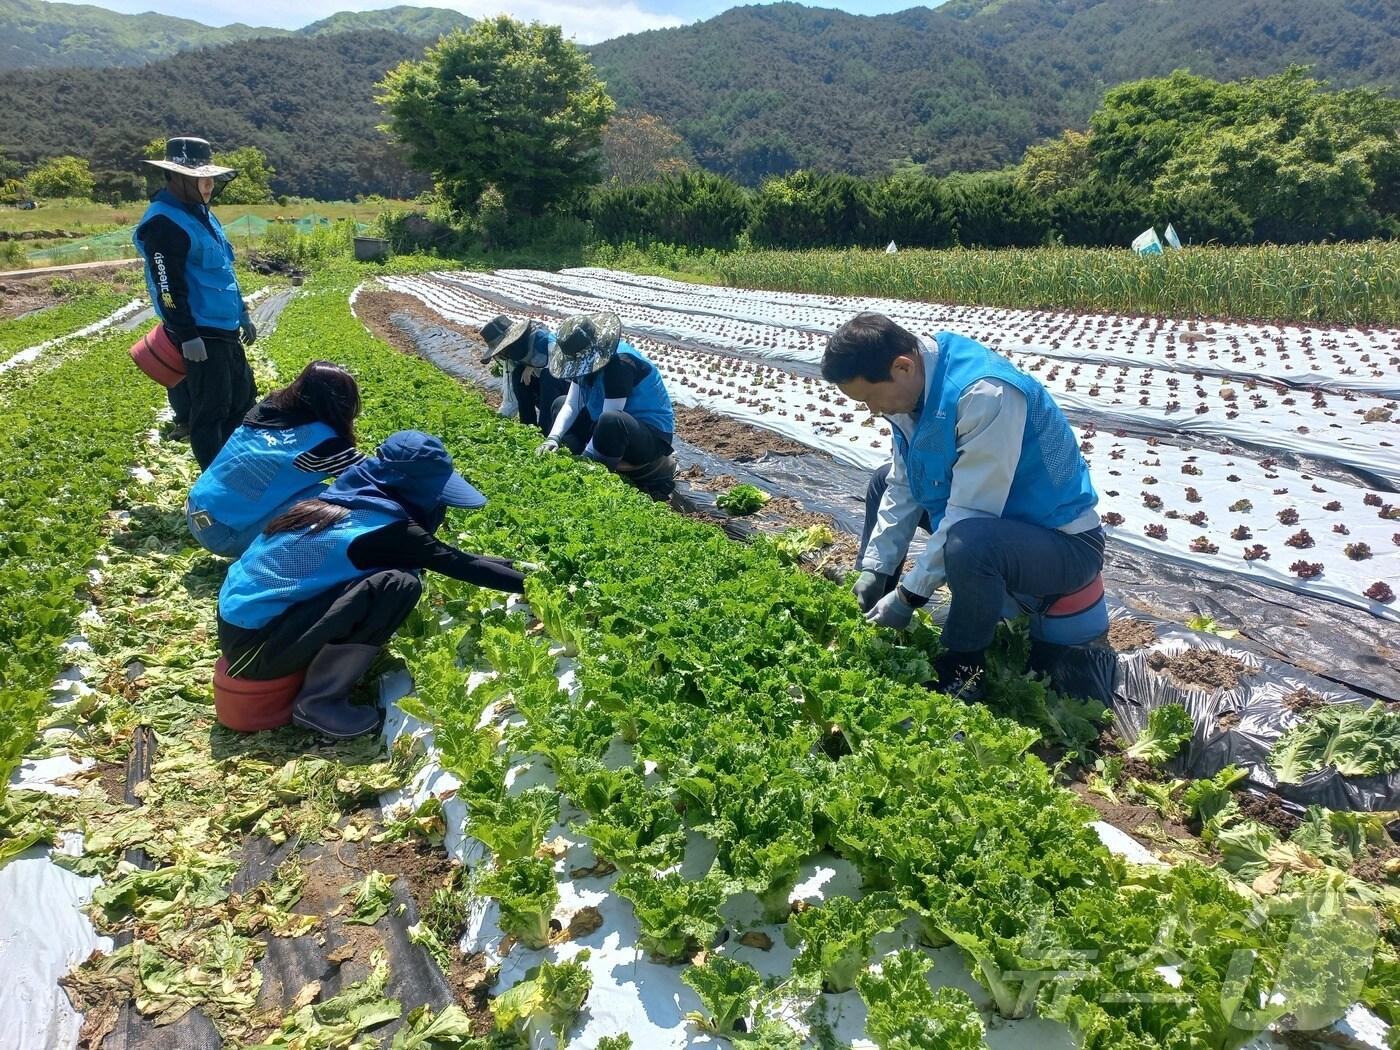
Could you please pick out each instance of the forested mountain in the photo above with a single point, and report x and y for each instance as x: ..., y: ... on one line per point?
x: 307, y: 102
x: 35, y: 34
x: 966, y: 85
x: 754, y: 91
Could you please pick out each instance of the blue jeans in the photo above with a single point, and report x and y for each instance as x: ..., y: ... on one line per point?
x: 988, y: 558
x: 218, y: 538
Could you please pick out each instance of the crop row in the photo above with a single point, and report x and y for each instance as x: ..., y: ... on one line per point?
x: 762, y: 713
x: 1213, y: 501
x: 1351, y: 284
x: 67, y: 439
x: 19, y: 333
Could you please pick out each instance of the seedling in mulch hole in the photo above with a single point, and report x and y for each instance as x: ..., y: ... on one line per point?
x: 1358, y: 551
x: 1302, y: 540
x: 1256, y: 553
x: 1390, y: 512
x: 1241, y: 506
x: 1151, y: 502
x: 1202, y: 545
x: 1192, y: 496
x: 1208, y: 625
x: 1199, y: 518
x: 1240, y: 532
x: 1372, y: 500
x: 1334, y: 506
x: 1288, y: 516
x: 1112, y: 518
x: 1395, y: 538
x: 1306, y: 570
x: 1191, y: 468
x: 1380, y: 592
x: 742, y: 499
x: 1341, y: 530
x: 1156, y: 532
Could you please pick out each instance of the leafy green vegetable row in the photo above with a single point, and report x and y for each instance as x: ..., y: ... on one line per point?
x: 67, y: 440
x: 779, y: 725
x: 20, y: 333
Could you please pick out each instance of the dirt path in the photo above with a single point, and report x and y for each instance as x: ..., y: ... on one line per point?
x: 49, y: 271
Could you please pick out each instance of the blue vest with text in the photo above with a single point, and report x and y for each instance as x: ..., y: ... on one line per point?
x: 280, y: 571
x: 215, y: 299
x: 1051, y: 486
x: 254, y: 477
x: 648, y: 401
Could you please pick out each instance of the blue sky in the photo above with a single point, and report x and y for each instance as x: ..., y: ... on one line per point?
x: 587, y: 20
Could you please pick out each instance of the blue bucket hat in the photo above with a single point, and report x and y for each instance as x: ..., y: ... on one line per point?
x: 409, y: 467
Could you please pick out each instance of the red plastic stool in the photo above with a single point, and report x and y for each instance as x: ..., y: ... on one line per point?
x: 159, y: 358
x: 249, y: 705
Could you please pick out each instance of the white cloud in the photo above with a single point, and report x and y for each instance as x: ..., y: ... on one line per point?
x: 587, y: 21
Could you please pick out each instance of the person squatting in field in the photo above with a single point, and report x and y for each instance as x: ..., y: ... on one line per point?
x: 289, y: 444
x: 617, y: 410
x: 189, y: 274
x: 986, y: 463
x: 329, y: 582
x: 523, y: 347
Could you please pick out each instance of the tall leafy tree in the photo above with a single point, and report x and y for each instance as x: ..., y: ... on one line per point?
x: 638, y: 147
x: 506, y: 104
x: 61, y: 177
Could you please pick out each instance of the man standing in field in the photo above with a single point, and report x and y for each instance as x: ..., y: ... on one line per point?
x: 189, y: 273
x: 986, y: 463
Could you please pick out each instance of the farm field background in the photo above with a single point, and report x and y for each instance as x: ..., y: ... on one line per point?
x: 707, y: 719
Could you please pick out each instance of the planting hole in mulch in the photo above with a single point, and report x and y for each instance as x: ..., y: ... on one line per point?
x: 1205, y: 668
x: 1126, y: 634
x: 1227, y: 721
x: 1303, y: 700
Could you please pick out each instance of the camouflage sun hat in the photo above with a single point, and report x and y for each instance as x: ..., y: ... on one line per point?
x: 584, y: 344
x: 190, y: 156
x: 501, y: 335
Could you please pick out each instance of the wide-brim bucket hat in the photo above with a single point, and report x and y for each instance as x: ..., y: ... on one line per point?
x: 413, y: 468
x: 504, y: 338
x: 584, y: 344
x: 193, y: 157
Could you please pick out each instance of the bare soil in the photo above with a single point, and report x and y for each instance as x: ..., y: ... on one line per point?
x: 425, y: 869
x: 729, y: 438
x: 1228, y: 720
x: 1130, y: 818
x: 1303, y: 700
x: 1126, y: 634
x: 1269, y: 810
x: 22, y: 297
x: 112, y: 776
x: 1207, y: 668
x: 1371, y: 868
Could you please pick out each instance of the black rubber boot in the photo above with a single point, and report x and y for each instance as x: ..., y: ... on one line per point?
x: 657, y: 478
x: 324, y: 701
x: 960, y: 674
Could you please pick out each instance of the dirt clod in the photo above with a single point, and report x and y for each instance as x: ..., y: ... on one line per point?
x: 1127, y: 633
x: 1268, y: 809
x: 1303, y: 700
x: 1202, y: 668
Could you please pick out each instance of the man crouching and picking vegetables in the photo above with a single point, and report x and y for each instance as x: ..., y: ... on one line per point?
x: 330, y: 581
x: 986, y: 463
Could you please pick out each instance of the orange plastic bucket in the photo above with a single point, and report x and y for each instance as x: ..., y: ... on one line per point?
x: 249, y: 705
x: 158, y: 357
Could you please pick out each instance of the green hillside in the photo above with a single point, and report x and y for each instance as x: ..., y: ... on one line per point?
x: 35, y: 34
x: 308, y: 102
x: 427, y: 23
x: 967, y: 85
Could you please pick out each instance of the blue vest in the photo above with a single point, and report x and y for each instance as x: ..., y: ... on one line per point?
x: 253, y: 478
x: 1051, y: 486
x: 648, y: 401
x: 215, y: 299
x: 280, y: 571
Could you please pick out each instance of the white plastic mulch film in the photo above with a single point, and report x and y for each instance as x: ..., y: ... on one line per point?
x: 1182, y: 423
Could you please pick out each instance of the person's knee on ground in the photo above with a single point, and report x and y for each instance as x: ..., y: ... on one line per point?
x: 977, y: 592
x: 609, y: 441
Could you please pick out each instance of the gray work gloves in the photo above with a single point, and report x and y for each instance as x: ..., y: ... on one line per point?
x: 869, y: 589
x: 193, y: 349
x: 891, y: 611
x: 546, y: 447
x: 247, y: 331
